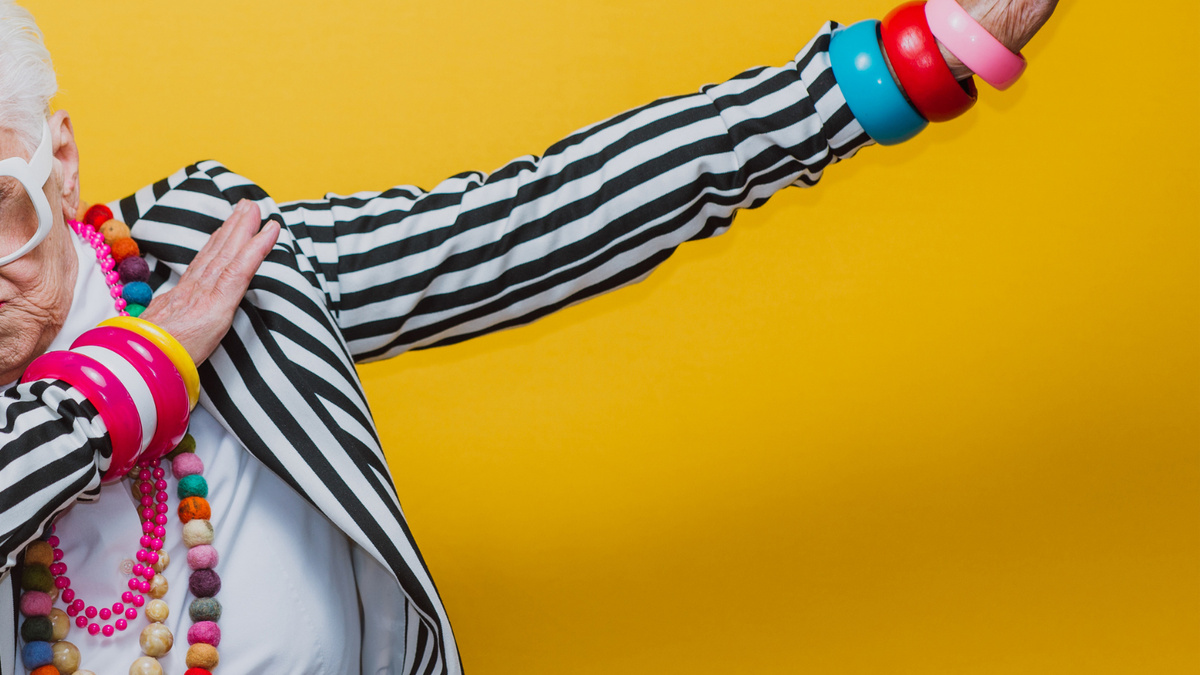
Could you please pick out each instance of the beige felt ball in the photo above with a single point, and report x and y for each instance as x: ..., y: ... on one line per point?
x: 197, y: 532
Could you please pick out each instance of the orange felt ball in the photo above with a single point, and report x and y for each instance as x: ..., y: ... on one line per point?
x: 114, y: 230
x: 97, y: 215
x: 194, y: 507
x: 44, y: 670
x: 124, y: 248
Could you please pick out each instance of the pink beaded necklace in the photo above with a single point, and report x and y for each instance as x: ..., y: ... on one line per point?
x: 55, y: 655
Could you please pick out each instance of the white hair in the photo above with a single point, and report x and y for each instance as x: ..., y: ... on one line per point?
x: 27, y: 80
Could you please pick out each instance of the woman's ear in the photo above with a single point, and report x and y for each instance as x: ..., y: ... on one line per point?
x: 66, y: 162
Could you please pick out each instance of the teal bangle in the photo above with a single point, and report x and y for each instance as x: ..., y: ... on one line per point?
x: 868, y: 86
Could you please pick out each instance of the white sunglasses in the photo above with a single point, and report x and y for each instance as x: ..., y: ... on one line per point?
x: 33, y: 176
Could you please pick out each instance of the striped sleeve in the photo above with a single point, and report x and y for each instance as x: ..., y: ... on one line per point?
x: 409, y: 269
x: 53, y: 449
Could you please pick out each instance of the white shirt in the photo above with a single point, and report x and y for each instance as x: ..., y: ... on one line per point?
x: 279, y: 557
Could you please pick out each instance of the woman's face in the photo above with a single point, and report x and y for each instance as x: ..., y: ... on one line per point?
x: 36, y: 290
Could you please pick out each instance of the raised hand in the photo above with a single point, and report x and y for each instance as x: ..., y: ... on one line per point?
x: 199, y: 310
x: 1012, y: 22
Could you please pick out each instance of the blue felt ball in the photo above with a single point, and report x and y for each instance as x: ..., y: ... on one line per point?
x: 138, y: 293
x: 37, y: 654
x: 193, y: 486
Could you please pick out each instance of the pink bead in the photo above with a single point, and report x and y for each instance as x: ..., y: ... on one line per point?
x: 135, y: 585
x: 156, y: 544
x: 62, y: 583
x: 207, y: 632
x: 147, y: 527
x: 81, y: 621
x: 127, y: 596
x: 187, y: 464
x: 141, y: 556
x: 53, y: 541
x: 151, y: 557
x: 160, y: 473
x: 105, y: 614
x: 93, y: 628
x: 112, y: 277
x: 117, y: 608
x: 147, y: 513
x: 161, y: 519
x: 108, y: 631
x: 160, y: 484
x: 144, y: 475
x: 144, y: 586
x: 115, y: 293
x: 131, y: 614
x: 121, y: 304
x: 58, y: 568
x: 147, y: 574
x: 203, y: 557
x: 161, y: 507
x: 77, y: 606
x: 138, y: 601
x: 160, y: 531
x: 145, y: 540
x: 90, y: 612
x: 121, y: 624
x: 105, y: 249
x: 36, y: 603
x: 107, y: 265
x: 147, y: 500
x: 68, y: 595
x: 139, y: 568
x: 58, y: 555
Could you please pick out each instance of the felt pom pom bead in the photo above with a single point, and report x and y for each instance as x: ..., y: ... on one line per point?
x: 134, y: 309
x: 37, y: 654
x: 197, y: 532
x: 205, y: 609
x: 202, y: 557
x: 127, y: 249
x: 137, y: 292
x: 202, y: 655
x: 132, y: 268
x: 45, y: 670
x: 97, y: 215
x: 194, y: 508
x: 204, y: 583
x: 113, y: 230
x: 205, y: 632
x: 187, y: 445
x: 197, y: 671
x: 36, y: 603
x: 37, y: 578
x: 37, y: 628
x: 192, y: 486
x: 39, y: 553
x: 186, y: 464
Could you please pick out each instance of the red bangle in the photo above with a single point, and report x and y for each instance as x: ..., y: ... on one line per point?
x: 918, y: 63
x: 104, y: 391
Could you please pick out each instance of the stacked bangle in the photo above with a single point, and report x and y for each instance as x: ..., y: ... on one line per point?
x: 139, y: 378
x: 973, y: 45
x: 917, y: 62
x: 159, y: 373
x: 169, y: 346
x: 868, y: 86
x: 107, y: 393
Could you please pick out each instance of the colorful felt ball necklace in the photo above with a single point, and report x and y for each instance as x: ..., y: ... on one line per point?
x: 44, y: 574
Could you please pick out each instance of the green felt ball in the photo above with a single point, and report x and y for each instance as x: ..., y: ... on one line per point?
x: 193, y: 486
x: 188, y: 444
x: 37, y: 578
x: 205, y: 609
x: 37, y: 628
x: 135, y: 309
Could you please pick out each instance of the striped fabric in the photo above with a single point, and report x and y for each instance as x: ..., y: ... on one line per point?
x: 368, y: 276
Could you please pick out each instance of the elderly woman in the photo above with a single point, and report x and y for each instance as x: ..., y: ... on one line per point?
x: 263, y: 527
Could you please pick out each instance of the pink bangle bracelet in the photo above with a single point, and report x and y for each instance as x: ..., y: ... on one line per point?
x: 166, y: 384
x: 973, y: 45
x: 104, y: 391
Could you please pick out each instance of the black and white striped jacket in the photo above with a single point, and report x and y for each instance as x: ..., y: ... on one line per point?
x: 369, y: 276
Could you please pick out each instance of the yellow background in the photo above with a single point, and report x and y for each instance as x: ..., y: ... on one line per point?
x: 937, y: 415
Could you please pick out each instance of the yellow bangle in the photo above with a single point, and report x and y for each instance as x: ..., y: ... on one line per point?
x: 170, y: 346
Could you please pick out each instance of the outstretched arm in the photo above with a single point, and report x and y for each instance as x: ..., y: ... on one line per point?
x: 408, y: 268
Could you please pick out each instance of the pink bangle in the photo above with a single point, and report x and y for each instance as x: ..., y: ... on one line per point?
x: 166, y: 384
x: 973, y: 45
x: 104, y: 391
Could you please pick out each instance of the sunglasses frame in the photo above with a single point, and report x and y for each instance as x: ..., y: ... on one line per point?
x: 33, y: 176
